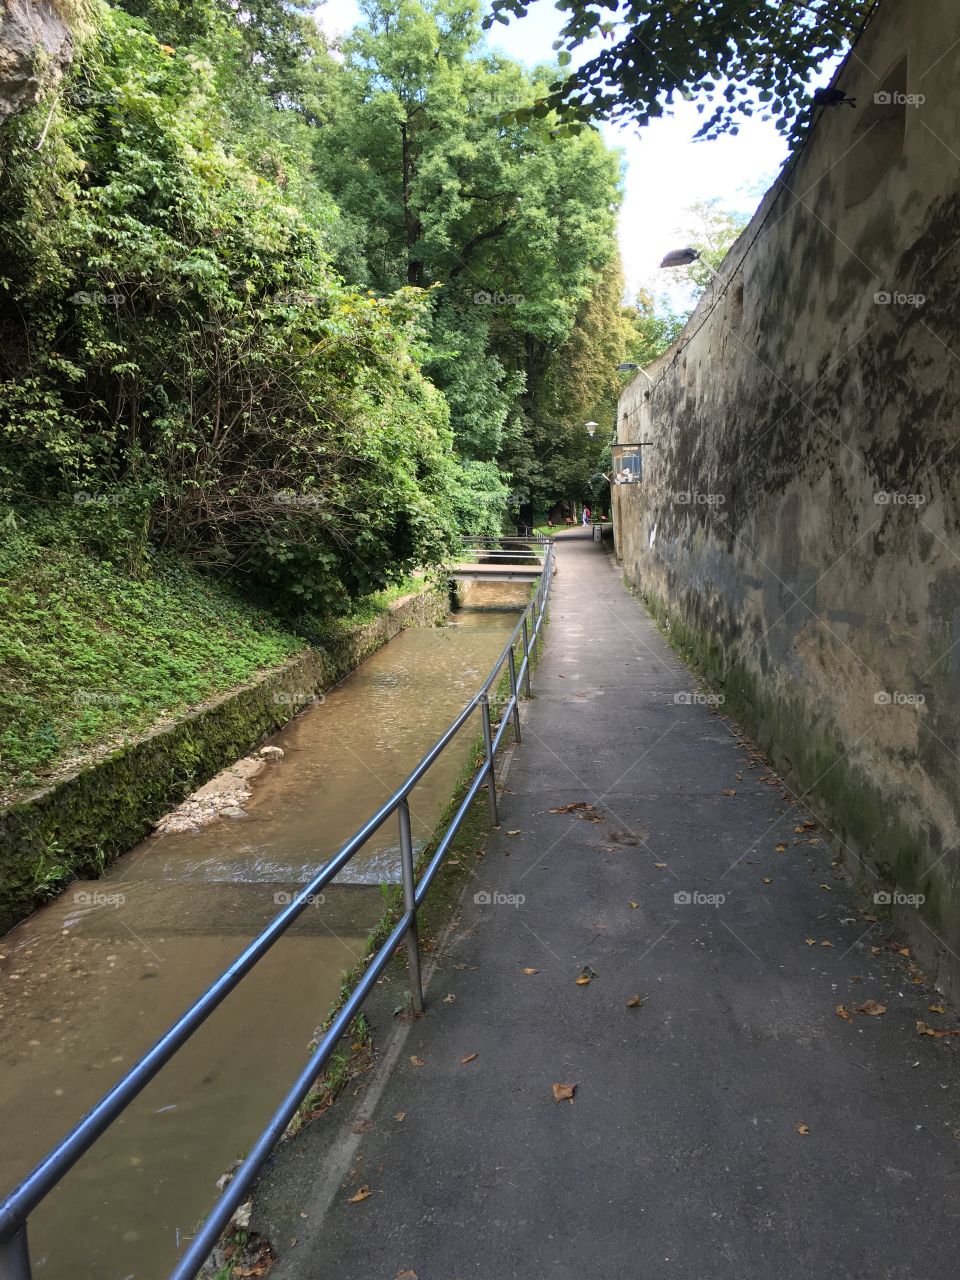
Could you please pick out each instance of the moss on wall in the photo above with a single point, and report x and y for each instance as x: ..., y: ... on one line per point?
x: 85, y: 819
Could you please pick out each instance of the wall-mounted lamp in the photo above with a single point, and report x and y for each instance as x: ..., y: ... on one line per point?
x: 628, y: 365
x: 685, y: 258
x: 591, y: 428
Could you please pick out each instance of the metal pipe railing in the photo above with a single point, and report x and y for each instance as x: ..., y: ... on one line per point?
x: 17, y: 1207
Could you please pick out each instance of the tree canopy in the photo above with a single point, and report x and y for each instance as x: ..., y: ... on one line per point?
x: 735, y: 58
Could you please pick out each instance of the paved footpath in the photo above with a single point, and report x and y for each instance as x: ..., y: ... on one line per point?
x: 730, y: 1127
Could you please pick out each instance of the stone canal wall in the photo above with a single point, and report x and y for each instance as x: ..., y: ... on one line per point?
x: 84, y: 819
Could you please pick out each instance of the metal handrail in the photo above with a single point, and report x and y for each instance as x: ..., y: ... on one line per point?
x: 16, y: 1208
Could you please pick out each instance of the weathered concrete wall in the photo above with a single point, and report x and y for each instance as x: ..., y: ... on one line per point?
x: 85, y: 818
x: 797, y: 523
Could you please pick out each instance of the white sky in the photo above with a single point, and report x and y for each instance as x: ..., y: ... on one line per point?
x: 666, y: 172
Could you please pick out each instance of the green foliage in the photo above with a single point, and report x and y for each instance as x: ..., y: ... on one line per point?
x: 174, y: 342
x: 735, y: 58
x: 515, y: 221
x: 713, y: 231
x: 88, y: 653
x: 651, y: 329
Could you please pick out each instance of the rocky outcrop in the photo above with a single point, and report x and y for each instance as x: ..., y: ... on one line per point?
x: 36, y: 48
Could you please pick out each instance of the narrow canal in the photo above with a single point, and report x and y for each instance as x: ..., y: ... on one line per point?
x: 89, y: 982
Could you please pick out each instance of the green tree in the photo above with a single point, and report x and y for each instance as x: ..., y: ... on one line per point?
x: 515, y: 221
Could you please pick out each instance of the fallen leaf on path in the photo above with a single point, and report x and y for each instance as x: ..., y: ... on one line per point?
x: 563, y: 1092
x: 634, y: 905
x: 871, y: 1008
x: 406, y: 1275
x: 767, y: 880
x: 514, y: 833
x: 826, y: 944
x: 531, y: 971
x: 781, y: 848
x: 634, y: 1002
x: 811, y: 942
x: 825, y: 886
x: 582, y: 810
x: 924, y: 1030
x: 729, y: 792
x: 659, y: 864
x: 843, y: 1012
x: 417, y: 1062
x: 936, y: 1008
x: 802, y: 1129
x: 360, y: 1195
x: 400, y: 1116
x: 449, y: 999
x: 583, y: 980
x: 469, y: 1058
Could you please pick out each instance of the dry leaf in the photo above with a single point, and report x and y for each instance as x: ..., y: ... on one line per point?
x: 400, y: 1116
x: 871, y: 1008
x: 924, y: 1030
x: 634, y: 905
x: 842, y: 1012
x: 827, y: 944
x: 825, y: 886
x: 449, y: 999
x: 360, y: 1195
x: 469, y: 1058
x: 728, y: 792
x: 936, y: 1008
x: 781, y: 848
x: 563, y: 1092
x: 514, y: 833
x: 811, y: 942
x: 767, y: 880
x: 417, y: 1062
x: 659, y: 864
x: 572, y: 808
x: 802, y: 1129
x: 406, y: 1275
x: 583, y: 980
x: 531, y: 971
x: 634, y: 1002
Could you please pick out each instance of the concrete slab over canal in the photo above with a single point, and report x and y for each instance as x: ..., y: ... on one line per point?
x: 729, y: 1124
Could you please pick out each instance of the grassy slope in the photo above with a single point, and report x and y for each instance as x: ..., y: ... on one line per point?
x: 89, y: 654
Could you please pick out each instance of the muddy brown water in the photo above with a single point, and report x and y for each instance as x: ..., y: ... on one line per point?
x: 90, y: 981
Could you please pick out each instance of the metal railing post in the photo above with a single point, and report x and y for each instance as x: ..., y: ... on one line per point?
x: 15, y: 1256
x: 516, y: 696
x: 526, y: 654
x: 410, y: 904
x: 488, y: 749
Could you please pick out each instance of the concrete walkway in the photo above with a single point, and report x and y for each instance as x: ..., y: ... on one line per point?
x: 729, y: 1127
